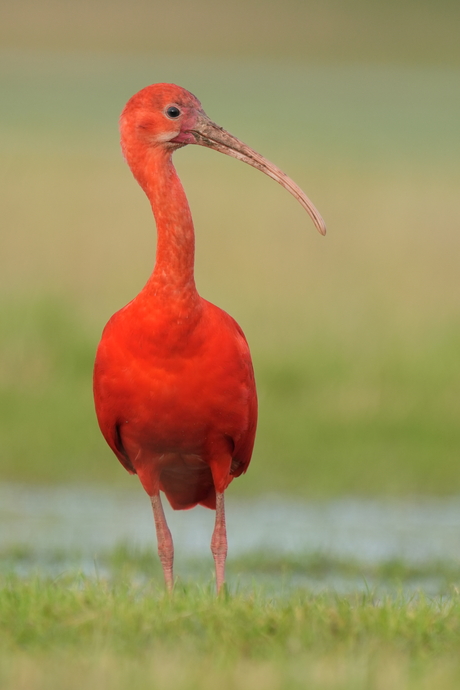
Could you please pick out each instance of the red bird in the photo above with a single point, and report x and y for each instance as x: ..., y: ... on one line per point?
x: 174, y: 386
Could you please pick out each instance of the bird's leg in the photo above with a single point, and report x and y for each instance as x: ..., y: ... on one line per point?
x: 164, y: 539
x: 219, y: 541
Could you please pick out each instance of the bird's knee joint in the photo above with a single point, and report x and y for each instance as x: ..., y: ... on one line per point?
x: 219, y: 548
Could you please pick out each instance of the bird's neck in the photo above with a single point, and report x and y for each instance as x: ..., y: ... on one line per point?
x: 173, y: 274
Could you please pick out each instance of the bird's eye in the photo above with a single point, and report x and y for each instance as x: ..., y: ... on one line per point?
x: 173, y: 112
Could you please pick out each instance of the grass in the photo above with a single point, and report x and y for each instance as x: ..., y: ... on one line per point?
x: 133, y: 564
x: 77, y: 631
x: 122, y: 631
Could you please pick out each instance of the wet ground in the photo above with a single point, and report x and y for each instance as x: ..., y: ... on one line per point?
x: 91, y: 521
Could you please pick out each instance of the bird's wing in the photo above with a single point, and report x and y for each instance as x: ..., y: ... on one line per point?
x: 244, y: 445
x: 111, y: 433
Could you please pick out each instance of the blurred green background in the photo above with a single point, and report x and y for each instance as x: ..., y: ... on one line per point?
x: 355, y: 337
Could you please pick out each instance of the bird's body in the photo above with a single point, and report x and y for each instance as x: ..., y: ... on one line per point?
x: 174, y: 386
x: 183, y: 396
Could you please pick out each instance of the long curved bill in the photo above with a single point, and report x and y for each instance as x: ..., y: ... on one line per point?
x: 207, y: 133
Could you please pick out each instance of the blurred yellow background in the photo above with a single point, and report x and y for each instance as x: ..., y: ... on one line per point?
x: 355, y: 336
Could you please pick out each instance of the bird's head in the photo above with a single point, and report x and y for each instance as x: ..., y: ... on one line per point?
x: 161, y: 115
x: 164, y: 117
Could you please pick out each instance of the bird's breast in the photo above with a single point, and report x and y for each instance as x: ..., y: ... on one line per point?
x: 171, y: 382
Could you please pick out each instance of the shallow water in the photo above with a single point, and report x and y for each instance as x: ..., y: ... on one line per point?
x: 89, y: 519
x: 92, y: 520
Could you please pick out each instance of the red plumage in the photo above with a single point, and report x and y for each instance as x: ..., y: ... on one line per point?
x: 176, y: 397
x: 174, y: 386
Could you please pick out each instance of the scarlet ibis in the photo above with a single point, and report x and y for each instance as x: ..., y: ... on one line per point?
x: 174, y: 386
